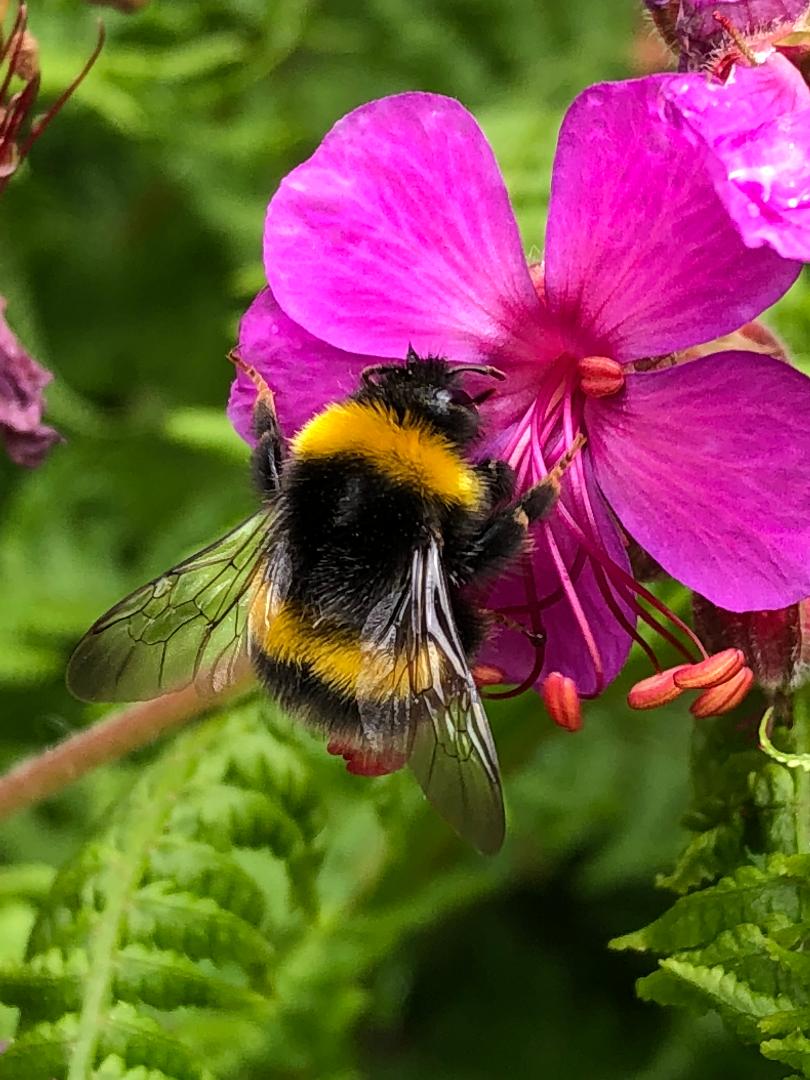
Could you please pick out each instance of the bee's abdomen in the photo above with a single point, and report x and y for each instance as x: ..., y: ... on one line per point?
x: 305, y: 695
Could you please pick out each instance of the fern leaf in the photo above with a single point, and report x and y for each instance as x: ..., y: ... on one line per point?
x: 735, y: 941
x: 160, y: 912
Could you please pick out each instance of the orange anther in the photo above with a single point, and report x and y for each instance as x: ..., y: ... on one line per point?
x: 711, y: 672
x: 599, y: 376
x: 725, y: 697
x: 657, y: 690
x: 562, y: 701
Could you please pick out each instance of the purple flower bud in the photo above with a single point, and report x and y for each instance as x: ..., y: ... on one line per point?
x: 26, y: 439
x: 776, y: 644
x: 711, y: 32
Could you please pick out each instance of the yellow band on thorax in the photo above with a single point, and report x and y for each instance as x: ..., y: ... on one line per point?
x: 408, y: 453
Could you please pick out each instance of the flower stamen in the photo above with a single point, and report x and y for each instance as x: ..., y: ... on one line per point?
x: 723, y: 698
x: 714, y: 671
x: 657, y: 690
x: 562, y: 701
x: 599, y: 376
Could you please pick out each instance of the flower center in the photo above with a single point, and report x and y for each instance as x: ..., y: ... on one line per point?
x: 574, y: 538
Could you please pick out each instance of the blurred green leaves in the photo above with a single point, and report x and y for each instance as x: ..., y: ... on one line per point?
x: 131, y: 242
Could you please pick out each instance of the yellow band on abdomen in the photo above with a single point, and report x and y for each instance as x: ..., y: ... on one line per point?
x: 335, y: 657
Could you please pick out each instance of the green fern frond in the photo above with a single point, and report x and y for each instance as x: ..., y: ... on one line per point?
x: 159, y: 913
x: 735, y: 941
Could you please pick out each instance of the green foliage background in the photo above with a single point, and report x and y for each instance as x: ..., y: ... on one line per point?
x: 130, y: 245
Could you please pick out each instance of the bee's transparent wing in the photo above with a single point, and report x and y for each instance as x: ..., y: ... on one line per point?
x: 417, y: 696
x: 190, y: 625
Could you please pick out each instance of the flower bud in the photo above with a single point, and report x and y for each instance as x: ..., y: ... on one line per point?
x: 776, y: 644
x: 704, y: 32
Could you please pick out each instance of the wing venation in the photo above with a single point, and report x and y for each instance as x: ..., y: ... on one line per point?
x: 190, y: 625
x: 417, y: 696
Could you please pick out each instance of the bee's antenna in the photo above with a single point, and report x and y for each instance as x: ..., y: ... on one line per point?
x: 367, y: 374
x: 479, y: 369
x: 265, y: 394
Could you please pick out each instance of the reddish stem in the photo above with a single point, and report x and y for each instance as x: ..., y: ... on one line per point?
x: 110, y: 739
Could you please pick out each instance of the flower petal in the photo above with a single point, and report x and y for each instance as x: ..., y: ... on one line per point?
x: 707, y: 466
x: 304, y: 373
x: 398, y: 231
x: 640, y: 251
x: 756, y: 128
x: 565, y: 649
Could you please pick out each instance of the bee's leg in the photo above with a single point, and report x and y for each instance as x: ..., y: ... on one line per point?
x: 504, y: 531
x: 499, y: 540
x: 498, y: 480
x: 539, y: 501
x: 268, y: 455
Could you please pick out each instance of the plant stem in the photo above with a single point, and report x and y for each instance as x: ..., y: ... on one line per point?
x: 801, y: 742
x: 108, y: 740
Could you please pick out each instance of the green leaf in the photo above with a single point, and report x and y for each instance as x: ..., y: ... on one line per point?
x: 149, y: 916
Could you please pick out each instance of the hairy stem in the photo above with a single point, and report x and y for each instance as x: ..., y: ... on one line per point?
x: 108, y: 740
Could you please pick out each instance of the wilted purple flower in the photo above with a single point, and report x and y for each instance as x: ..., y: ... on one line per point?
x: 705, y: 32
x: 398, y: 231
x: 25, y: 438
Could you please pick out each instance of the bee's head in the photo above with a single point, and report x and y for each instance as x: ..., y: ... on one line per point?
x: 430, y: 389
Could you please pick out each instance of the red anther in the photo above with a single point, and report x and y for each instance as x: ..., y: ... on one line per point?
x: 599, y: 376
x: 562, y: 701
x: 723, y: 698
x: 657, y: 690
x: 486, y: 675
x: 711, y: 672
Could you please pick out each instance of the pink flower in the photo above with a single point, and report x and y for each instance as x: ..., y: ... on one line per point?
x: 398, y: 231
x: 26, y: 439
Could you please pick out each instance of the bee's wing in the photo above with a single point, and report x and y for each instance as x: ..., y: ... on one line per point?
x: 433, y: 715
x: 187, y: 626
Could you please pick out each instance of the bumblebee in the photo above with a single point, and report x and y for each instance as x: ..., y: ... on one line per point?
x: 348, y: 591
